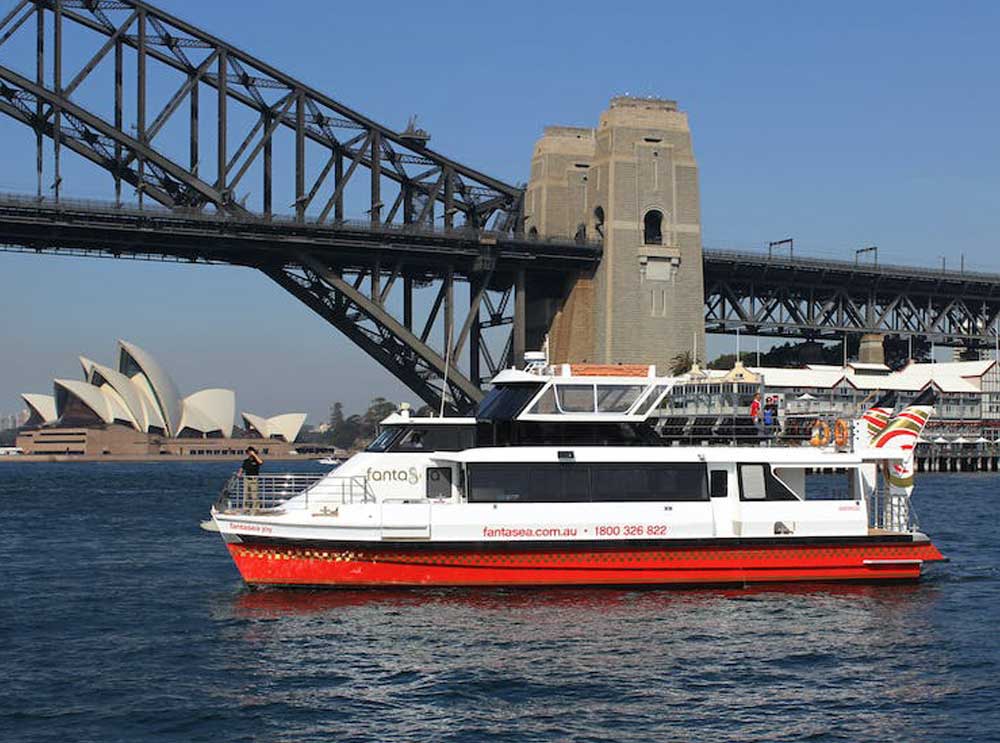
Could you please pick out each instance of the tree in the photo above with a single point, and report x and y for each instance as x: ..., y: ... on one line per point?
x: 682, y: 363
x: 336, y: 415
x: 728, y: 360
x: 346, y: 432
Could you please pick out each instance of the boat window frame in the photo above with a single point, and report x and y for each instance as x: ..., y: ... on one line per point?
x: 641, y: 408
x: 565, y: 385
x: 649, y: 398
x: 773, y: 485
x: 430, y: 474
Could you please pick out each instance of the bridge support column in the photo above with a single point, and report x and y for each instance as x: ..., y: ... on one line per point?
x: 520, y: 320
x: 633, y: 183
x: 872, y: 350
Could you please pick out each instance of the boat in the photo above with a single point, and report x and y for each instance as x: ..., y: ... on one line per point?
x: 560, y: 478
x: 331, y: 461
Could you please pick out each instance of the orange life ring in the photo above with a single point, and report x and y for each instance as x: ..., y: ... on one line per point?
x: 841, y: 432
x: 820, y: 433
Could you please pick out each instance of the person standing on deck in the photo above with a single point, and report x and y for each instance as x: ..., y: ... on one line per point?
x: 250, y: 470
x: 755, y: 408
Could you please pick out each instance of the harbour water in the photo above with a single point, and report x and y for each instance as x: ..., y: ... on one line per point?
x: 122, y: 621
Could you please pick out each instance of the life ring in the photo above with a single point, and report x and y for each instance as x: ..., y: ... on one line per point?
x: 820, y: 433
x: 841, y: 432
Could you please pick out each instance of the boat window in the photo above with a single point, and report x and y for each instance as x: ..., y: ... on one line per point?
x: 384, y: 439
x: 554, y: 483
x: 681, y: 481
x: 505, y: 402
x: 546, y: 404
x: 617, y: 398
x: 651, y: 399
x: 752, y: 484
x: 439, y: 482
x: 838, y: 486
x: 437, y: 437
x: 719, y: 483
x: 576, y: 398
x: 757, y: 482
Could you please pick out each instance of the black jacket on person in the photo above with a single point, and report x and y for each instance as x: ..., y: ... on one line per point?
x: 251, y: 467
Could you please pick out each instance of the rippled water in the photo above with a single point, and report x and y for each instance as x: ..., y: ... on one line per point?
x: 122, y: 621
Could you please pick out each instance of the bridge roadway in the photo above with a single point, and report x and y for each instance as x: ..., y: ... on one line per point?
x: 101, y: 229
x: 778, y: 296
x: 804, y: 297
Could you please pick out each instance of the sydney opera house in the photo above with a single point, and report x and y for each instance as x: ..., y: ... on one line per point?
x: 135, y: 410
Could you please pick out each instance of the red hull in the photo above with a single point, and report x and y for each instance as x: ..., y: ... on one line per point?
x: 522, y: 565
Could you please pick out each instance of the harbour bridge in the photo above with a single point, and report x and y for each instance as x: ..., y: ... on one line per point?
x: 182, y: 123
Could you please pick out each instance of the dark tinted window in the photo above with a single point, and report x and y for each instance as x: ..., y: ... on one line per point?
x: 439, y: 482
x: 504, y: 403
x: 434, y: 438
x: 719, y: 483
x: 628, y: 482
x: 384, y: 440
x: 551, y: 483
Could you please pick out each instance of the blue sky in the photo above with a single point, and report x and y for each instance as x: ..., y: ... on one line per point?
x: 840, y: 124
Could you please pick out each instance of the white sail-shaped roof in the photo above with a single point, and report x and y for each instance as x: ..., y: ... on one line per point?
x: 217, y: 405
x: 286, y: 426
x: 132, y: 360
x: 256, y: 423
x: 119, y: 409
x: 149, y: 404
x: 69, y: 391
x: 42, y: 407
x: 88, y: 367
x: 130, y: 395
x: 194, y: 419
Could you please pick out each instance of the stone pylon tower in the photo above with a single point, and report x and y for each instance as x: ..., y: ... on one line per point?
x: 632, y: 181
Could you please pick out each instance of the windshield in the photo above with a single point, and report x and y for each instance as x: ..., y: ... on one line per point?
x: 505, y: 402
x: 384, y: 440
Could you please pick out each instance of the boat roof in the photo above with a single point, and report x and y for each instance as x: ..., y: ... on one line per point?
x: 404, y: 419
x: 803, y: 456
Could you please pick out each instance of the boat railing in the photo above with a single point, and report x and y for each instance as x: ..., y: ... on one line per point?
x: 891, y: 511
x: 252, y: 493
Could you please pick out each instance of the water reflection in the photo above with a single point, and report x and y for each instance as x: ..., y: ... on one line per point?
x: 756, y: 657
x: 275, y: 603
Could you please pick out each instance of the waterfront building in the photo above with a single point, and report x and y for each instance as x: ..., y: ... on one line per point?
x: 968, y: 407
x: 134, y: 409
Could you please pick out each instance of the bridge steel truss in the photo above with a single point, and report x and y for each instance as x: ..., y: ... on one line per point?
x: 361, y: 279
x: 429, y: 219
x: 826, y: 299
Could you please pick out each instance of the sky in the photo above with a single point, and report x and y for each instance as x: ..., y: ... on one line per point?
x: 841, y: 125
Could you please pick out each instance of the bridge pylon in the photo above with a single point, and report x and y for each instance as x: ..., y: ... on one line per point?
x: 633, y: 182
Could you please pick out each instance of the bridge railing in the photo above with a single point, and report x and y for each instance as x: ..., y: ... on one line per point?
x: 782, y: 261
x: 107, y: 208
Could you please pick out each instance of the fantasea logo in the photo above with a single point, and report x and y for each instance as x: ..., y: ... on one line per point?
x: 411, y: 476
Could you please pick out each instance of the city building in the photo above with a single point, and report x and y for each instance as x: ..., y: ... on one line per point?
x: 134, y: 409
